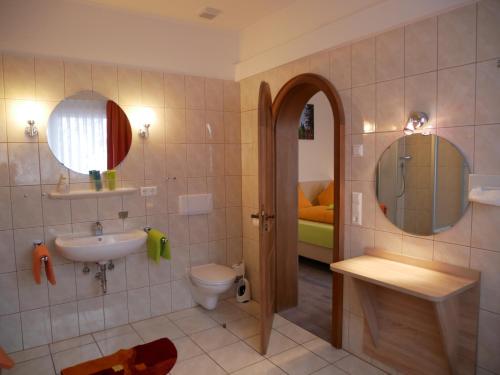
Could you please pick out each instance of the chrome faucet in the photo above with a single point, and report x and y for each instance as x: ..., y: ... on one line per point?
x: 98, y: 228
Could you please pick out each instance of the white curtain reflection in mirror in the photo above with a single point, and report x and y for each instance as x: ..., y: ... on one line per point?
x: 78, y: 138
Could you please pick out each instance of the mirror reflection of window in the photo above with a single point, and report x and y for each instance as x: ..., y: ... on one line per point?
x: 88, y: 132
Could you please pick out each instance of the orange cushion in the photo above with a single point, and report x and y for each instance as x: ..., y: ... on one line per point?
x: 303, y: 201
x: 325, y: 198
x: 321, y: 214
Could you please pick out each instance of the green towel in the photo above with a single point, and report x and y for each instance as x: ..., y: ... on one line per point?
x: 157, y: 247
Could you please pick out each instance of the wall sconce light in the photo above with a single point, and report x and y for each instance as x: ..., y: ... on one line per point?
x: 31, y: 130
x: 416, y: 121
x: 144, y: 131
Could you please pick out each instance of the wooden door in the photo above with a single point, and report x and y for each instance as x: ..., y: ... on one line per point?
x: 267, y: 228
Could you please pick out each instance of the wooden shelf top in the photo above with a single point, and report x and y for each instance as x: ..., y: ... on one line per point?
x: 426, y: 283
x: 83, y: 194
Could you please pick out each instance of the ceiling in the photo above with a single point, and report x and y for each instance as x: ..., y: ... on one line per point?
x: 236, y: 14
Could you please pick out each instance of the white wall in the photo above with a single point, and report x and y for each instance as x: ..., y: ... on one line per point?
x: 310, y: 26
x: 76, y: 30
x: 316, y: 156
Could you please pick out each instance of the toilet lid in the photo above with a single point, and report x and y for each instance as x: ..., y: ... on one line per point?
x: 213, y: 274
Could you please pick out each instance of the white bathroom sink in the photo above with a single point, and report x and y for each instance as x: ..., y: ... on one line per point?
x: 99, y: 249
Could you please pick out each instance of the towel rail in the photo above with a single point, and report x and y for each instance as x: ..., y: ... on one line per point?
x: 45, y: 258
x: 163, y: 239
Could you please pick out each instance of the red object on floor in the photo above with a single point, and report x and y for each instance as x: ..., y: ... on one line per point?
x: 154, y: 358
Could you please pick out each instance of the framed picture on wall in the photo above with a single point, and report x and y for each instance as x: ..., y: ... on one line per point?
x: 306, y: 127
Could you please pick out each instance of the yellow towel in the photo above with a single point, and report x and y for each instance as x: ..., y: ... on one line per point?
x: 158, y: 245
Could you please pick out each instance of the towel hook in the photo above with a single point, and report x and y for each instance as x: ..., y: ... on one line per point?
x: 45, y: 258
x: 163, y: 239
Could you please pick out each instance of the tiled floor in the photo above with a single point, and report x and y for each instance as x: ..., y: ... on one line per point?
x: 205, y: 346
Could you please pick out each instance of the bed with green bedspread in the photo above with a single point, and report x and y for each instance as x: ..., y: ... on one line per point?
x: 315, y: 233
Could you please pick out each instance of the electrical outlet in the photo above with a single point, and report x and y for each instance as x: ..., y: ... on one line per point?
x: 148, y: 191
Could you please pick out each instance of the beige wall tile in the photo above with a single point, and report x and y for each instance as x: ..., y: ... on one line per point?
x: 4, y: 165
x: 195, y: 126
x: 49, y: 79
x: 488, y: 34
x: 363, y: 109
x: 26, y: 206
x: 217, y: 224
x: 175, y: 93
x: 232, y: 127
x: 16, y: 118
x: 417, y: 247
x: 39, y: 322
x: 9, y: 304
x: 129, y: 86
x: 233, y: 190
x: 463, y: 138
x: 2, y: 91
x: 456, y: 96
x: 345, y: 97
x: 485, y: 224
x: 216, y: 160
x: 389, y: 55
x: 105, y: 80
x: 176, y: 156
x: 55, y: 211
x: 198, y: 230
x: 390, y: 106
x: 233, y: 222
x: 175, y: 120
x: 7, y: 251
x: 361, y: 238
x: 452, y: 254
x: 457, y: 37
x: 217, y: 186
x: 77, y: 77
x: 152, y: 88
x: 487, y: 150
x: 366, y: 188
x: 320, y: 64
x: 340, y: 67
x: 487, y: 87
x: 488, y: 262
x: 392, y: 242
x: 195, y: 92
x: 196, y: 160
x: 232, y: 96
x: 488, y: 341
x: 460, y: 233
x: 23, y: 242
x: 233, y: 161
x: 155, y: 165
x: 50, y: 168
x: 214, y: 94
x: 3, y: 121
x: 420, y: 95
x: 19, y: 76
x: 421, y: 46
x: 363, y: 62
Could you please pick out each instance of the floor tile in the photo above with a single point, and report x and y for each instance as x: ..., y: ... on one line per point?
x: 192, y: 324
x: 75, y: 342
x: 261, y: 368
x: 195, y: 311
x: 38, y: 366
x: 296, y: 333
x: 29, y: 354
x: 186, y: 348
x: 110, y: 345
x: 112, y: 332
x: 214, y: 338
x: 298, y: 361
x: 157, y: 328
x: 202, y: 364
x: 330, y: 370
x: 74, y: 356
x: 277, y: 343
x: 325, y: 350
x: 355, y: 366
x: 227, y: 312
x: 235, y: 356
x: 279, y: 321
x: 244, y: 328
x: 251, y: 307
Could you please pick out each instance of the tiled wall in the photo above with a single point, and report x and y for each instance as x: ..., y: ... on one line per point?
x: 445, y: 66
x: 179, y: 146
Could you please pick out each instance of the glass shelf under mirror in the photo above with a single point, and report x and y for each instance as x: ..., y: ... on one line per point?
x: 83, y: 194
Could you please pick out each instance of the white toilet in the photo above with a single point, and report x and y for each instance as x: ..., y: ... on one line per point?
x: 208, y: 281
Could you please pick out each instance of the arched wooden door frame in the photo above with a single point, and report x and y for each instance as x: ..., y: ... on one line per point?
x: 286, y: 110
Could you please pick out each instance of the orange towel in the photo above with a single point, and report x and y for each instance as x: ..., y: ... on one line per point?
x: 39, y: 252
x: 5, y: 360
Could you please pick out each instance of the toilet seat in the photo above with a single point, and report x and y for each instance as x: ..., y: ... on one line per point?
x: 212, y: 274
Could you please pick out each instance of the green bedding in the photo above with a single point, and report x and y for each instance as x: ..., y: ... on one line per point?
x: 315, y: 233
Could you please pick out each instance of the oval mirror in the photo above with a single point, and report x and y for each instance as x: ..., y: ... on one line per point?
x: 422, y: 184
x: 87, y: 131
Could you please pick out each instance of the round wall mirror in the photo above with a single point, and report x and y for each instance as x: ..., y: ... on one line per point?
x: 87, y: 131
x: 422, y: 184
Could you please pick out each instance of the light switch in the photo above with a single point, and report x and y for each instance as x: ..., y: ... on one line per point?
x: 357, y: 208
x: 357, y: 150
